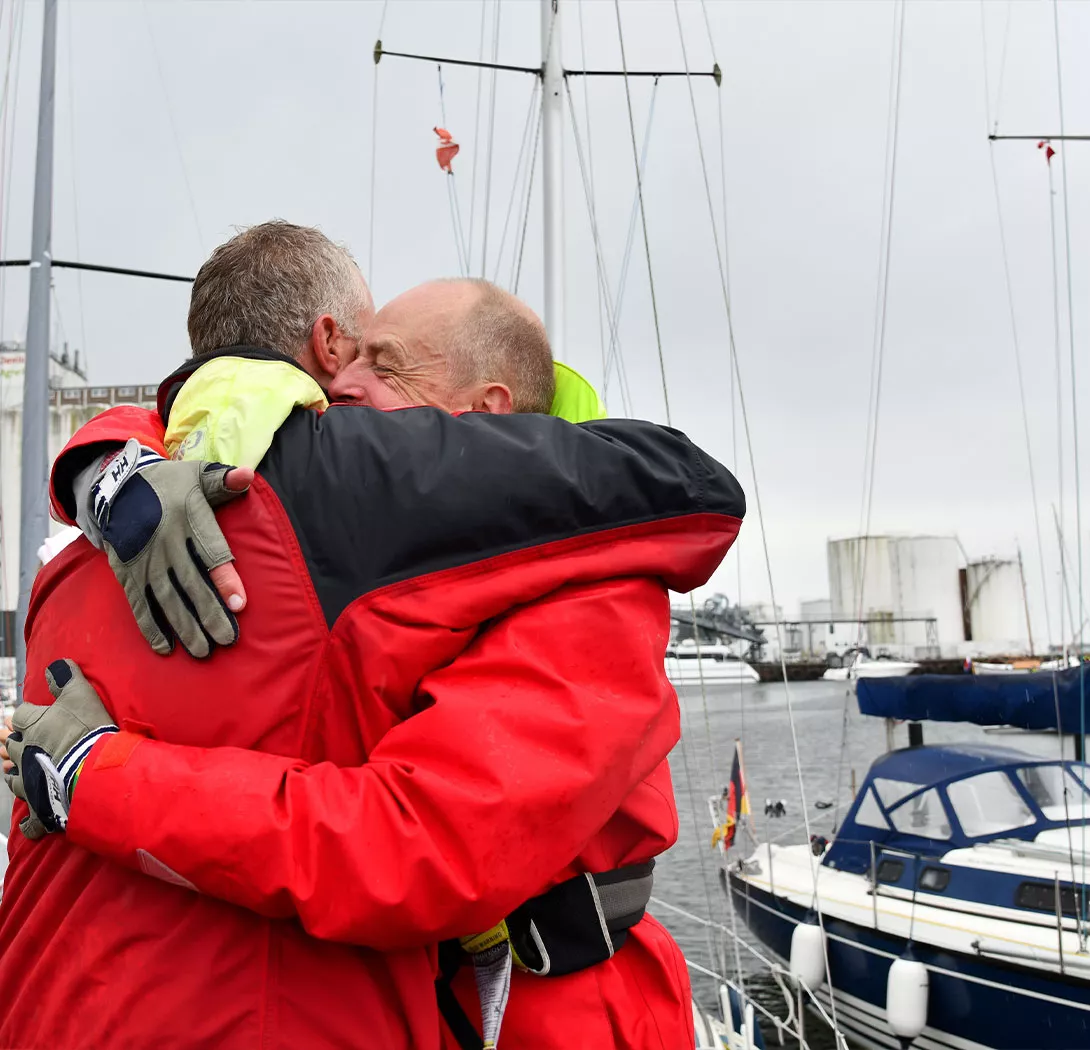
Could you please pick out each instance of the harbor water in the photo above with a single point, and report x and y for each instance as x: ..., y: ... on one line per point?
x: 827, y: 723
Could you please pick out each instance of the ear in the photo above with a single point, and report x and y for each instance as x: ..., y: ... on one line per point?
x: 495, y: 398
x: 323, y: 346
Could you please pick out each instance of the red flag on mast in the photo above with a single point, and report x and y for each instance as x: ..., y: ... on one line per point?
x: 447, y: 149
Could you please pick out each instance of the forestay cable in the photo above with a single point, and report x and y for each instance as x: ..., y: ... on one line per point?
x: 71, y: 37
x: 374, y: 151
x: 491, y: 142
x: 452, y: 194
x: 519, y: 168
x: 477, y: 125
x: 517, y: 271
x: 760, y: 512
x: 1075, y: 438
x: 173, y: 127
x: 665, y: 392
x: 611, y: 314
x: 870, y: 448
x: 615, y: 356
x: 1015, y: 343
x: 593, y: 195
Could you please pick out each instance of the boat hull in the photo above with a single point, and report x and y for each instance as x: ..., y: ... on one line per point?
x: 973, y: 1002
x: 710, y: 671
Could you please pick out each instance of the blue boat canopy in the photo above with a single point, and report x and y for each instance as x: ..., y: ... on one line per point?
x: 1029, y: 701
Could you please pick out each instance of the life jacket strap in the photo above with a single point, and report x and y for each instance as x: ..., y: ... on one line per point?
x: 581, y: 922
x: 575, y: 925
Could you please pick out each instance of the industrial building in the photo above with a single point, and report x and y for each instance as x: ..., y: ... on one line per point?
x: 920, y: 596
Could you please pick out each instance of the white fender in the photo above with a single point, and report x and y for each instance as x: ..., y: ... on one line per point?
x: 906, y: 998
x: 749, y: 1032
x: 808, y: 955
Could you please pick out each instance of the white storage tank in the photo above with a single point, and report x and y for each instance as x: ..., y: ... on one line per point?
x: 995, y: 600
x: 901, y: 576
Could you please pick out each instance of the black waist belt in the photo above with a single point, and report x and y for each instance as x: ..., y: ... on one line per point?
x: 581, y: 922
x: 575, y: 925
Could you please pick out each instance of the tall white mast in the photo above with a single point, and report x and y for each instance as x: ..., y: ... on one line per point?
x: 34, y: 516
x: 552, y: 165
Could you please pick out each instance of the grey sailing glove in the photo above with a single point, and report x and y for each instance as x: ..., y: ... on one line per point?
x: 156, y: 521
x: 48, y: 746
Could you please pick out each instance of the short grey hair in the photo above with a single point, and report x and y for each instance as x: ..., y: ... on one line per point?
x: 501, y: 341
x: 267, y: 286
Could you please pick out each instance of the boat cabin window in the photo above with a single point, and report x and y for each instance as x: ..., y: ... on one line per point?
x: 890, y: 870
x: 890, y: 791
x: 934, y: 880
x: 1041, y: 896
x: 869, y: 814
x: 1047, y: 786
x: 922, y: 815
x: 988, y: 804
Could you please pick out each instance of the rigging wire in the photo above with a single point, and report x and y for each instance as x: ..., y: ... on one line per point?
x: 643, y: 213
x: 665, y: 392
x: 4, y: 189
x: 519, y: 169
x: 1058, y: 356
x: 615, y: 356
x: 757, y: 501
x: 1002, y: 66
x: 477, y: 125
x: 173, y: 127
x: 1075, y: 437
x: 1015, y: 343
x: 870, y: 455
x: 75, y: 196
x: 374, y: 153
x: 593, y: 195
x: 491, y: 142
x: 13, y: 109
x: 611, y: 314
x: 517, y: 273
x: 452, y: 195
x: 726, y: 277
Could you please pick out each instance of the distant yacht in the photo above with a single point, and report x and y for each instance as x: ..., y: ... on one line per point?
x: 709, y: 662
x: 858, y: 663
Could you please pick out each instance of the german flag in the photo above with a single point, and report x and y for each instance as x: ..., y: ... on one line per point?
x: 735, y: 803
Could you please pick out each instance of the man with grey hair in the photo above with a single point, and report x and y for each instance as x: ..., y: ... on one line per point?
x: 424, y: 585
x: 281, y: 287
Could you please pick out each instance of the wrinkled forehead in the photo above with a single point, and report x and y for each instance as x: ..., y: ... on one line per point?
x: 419, y: 323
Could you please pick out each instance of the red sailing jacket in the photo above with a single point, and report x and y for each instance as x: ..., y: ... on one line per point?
x: 536, y: 754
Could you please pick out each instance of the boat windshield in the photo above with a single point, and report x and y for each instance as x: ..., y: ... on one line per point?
x: 1047, y: 786
x: 988, y: 804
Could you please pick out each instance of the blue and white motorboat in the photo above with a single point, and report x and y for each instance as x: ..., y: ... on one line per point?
x: 953, y: 899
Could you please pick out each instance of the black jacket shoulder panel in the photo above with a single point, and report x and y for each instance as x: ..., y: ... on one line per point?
x: 377, y: 497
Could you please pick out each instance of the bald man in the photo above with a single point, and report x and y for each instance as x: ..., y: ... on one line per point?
x: 461, y: 344
x: 523, y: 742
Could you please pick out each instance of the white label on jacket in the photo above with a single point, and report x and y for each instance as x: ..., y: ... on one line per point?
x: 154, y: 867
x: 492, y: 970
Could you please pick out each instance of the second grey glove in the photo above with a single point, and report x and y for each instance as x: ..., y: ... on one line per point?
x: 160, y: 533
x: 49, y: 744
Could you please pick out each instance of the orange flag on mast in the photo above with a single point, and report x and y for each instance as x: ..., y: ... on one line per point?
x: 447, y: 149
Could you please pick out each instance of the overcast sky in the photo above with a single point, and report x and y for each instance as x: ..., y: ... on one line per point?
x: 177, y: 121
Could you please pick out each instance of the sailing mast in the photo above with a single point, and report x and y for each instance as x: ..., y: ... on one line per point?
x: 552, y: 172
x: 34, y: 480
